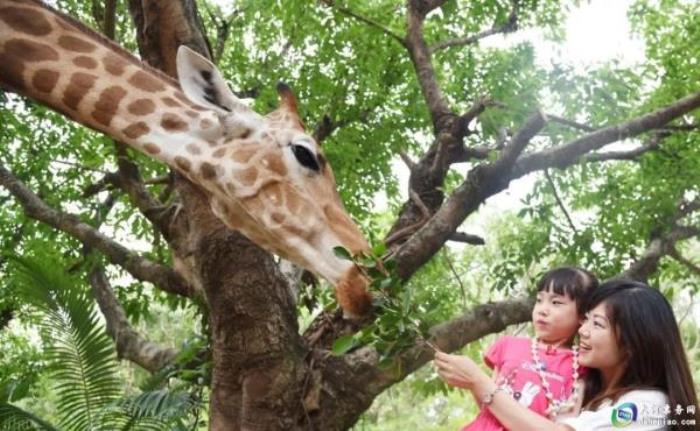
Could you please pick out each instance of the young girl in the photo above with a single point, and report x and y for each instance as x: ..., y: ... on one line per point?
x: 540, y: 373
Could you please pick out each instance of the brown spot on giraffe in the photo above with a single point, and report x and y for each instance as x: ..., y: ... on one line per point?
x: 193, y: 149
x: 246, y: 134
x: 221, y: 152
x: 136, y: 130
x: 85, y: 62
x: 80, y: 83
x: 27, y: 50
x: 191, y: 114
x: 169, y: 101
x: 146, y: 82
x: 294, y: 202
x: 272, y: 191
x: 275, y: 164
x: 25, y: 20
x: 278, y: 217
x: 208, y: 171
x: 243, y: 155
x: 11, y: 72
x: 183, y: 163
x: 44, y: 80
x: 141, y: 107
x: 173, y: 123
x: 114, y: 64
x: 151, y: 148
x: 108, y: 104
x: 206, y: 124
x: 72, y: 43
x: 247, y: 176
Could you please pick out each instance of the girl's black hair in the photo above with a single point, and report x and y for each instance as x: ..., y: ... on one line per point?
x: 576, y: 283
x: 649, y: 339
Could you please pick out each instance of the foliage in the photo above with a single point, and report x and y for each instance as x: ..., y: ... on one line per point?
x: 363, y: 81
x: 81, y: 361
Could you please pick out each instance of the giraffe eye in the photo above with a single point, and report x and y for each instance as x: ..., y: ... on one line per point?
x: 305, y: 157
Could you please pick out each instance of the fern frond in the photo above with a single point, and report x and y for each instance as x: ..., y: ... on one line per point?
x: 14, y: 418
x: 82, y: 357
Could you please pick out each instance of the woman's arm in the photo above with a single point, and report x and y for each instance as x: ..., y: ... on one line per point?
x: 462, y: 372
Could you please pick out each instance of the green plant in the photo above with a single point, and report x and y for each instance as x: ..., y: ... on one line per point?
x: 82, y: 362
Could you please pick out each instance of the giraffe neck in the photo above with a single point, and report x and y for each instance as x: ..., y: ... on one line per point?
x: 58, y: 62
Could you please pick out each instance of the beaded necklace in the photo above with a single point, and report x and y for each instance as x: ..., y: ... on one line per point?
x: 554, y: 405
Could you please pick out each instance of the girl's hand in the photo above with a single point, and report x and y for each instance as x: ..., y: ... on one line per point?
x: 459, y: 371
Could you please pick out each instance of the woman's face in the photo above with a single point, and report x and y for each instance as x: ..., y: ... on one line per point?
x: 598, y: 345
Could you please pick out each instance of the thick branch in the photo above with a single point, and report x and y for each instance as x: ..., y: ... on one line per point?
x: 482, y: 182
x: 674, y: 253
x: 659, y: 246
x: 420, y: 57
x: 130, y: 344
x: 138, y: 266
x: 567, y: 154
x: 130, y: 181
x: 467, y: 238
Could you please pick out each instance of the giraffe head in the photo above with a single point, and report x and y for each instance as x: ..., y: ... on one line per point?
x: 270, y: 180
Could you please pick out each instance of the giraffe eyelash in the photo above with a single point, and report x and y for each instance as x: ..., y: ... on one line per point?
x: 305, y: 157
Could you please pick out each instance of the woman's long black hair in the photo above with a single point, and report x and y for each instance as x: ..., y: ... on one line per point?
x: 649, y: 339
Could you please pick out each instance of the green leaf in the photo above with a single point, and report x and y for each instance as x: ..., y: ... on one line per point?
x: 342, y: 253
x: 343, y: 344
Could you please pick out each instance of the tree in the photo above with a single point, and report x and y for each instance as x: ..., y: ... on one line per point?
x: 378, y: 79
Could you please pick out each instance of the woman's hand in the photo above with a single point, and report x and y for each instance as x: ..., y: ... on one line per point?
x: 460, y: 371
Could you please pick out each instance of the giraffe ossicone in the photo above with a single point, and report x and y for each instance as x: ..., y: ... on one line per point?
x: 263, y: 175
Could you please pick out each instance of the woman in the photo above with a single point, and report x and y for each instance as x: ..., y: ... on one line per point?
x: 631, y: 344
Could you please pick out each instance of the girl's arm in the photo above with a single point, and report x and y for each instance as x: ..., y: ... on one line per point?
x: 462, y: 372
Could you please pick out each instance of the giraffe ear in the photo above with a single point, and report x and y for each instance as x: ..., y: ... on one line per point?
x: 203, y: 84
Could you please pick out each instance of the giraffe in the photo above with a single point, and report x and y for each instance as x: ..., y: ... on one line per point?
x: 263, y: 175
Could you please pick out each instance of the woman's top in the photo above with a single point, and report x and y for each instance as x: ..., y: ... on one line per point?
x: 638, y: 410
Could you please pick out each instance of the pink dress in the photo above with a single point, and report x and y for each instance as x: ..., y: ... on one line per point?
x: 512, y: 357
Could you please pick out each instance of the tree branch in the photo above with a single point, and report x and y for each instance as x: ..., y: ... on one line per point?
x: 481, y: 182
x: 130, y: 344
x: 508, y: 27
x: 567, y: 154
x: 658, y: 247
x: 421, y: 59
x: 467, y: 238
x: 139, y: 267
x: 674, y: 253
x: 559, y: 201
x: 633, y: 154
x: 372, y: 23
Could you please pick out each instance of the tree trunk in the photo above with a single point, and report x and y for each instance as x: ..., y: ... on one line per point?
x: 258, y: 355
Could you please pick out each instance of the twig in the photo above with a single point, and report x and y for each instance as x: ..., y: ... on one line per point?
x: 457, y: 277
x: 570, y: 123
x: 508, y: 27
x: 78, y: 165
x: 368, y: 21
x: 559, y: 201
